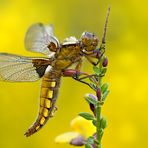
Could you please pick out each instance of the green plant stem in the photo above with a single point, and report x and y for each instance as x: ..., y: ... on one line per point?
x: 99, y: 131
x: 98, y: 114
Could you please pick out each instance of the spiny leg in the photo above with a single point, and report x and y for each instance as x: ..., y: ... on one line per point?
x: 105, y: 26
x: 79, y: 65
x: 102, y: 46
x: 100, y: 51
x: 78, y: 76
x: 91, y: 61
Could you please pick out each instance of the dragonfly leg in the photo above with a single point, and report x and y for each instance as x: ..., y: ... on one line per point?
x: 102, y: 46
x: 91, y: 61
x: 79, y: 65
x: 78, y: 75
x: 82, y: 79
x: 98, y: 53
x: 74, y: 72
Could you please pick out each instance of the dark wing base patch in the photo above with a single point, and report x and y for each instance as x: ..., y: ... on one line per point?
x: 14, y: 68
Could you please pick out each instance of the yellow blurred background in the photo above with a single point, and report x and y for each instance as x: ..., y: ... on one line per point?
x: 127, y: 43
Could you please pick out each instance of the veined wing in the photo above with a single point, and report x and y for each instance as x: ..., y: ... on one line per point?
x: 39, y: 37
x: 14, y: 68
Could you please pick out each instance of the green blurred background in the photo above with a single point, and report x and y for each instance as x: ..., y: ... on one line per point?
x: 127, y: 42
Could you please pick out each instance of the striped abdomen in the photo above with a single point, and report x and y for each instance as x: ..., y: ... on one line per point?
x: 49, y: 92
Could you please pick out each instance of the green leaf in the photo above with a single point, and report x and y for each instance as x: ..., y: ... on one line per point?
x: 90, y: 140
x: 104, y: 87
x: 96, y: 141
x: 91, y: 100
x: 97, y: 70
x: 103, y: 71
x: 101, y: 132
x: 103, y: 123
x: 94, y: 122
x: 86, y: 116
x: 88, y: 145
x: 105, y: 95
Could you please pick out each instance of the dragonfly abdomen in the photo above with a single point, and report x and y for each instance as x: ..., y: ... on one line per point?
x: 49, y: 93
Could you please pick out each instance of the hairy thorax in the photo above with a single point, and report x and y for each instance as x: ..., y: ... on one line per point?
x: 67, y: 55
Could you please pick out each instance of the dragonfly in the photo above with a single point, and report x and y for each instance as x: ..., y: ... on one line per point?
x: 59, y: 58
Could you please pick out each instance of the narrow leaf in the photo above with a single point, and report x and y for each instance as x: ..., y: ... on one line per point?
x: 91, y: 100
x: 86, y: 116
x: 90, y: 140
x: 103, y: 71
x: 104, y: 87
x: 105, y: 95
x: 103, y: 123
x: 97, y: 70
x: 94, y: 122
x: 88, y: 146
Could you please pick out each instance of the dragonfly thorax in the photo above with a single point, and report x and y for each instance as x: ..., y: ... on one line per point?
x: 67, y: 55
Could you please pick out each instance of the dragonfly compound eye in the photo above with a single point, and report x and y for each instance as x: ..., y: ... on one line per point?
x: 89, y: 41
x: 87, y: 38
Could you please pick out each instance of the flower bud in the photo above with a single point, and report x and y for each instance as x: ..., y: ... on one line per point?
x: 105, y: 62
x: 93, y: 97
x: 78, y: 141
x: 98, y: 93
x: 92, y: 107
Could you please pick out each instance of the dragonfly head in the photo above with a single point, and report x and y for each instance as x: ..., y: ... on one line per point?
x: 89, y: 42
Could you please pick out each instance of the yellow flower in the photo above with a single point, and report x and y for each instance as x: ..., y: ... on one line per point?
x: 81, y: 130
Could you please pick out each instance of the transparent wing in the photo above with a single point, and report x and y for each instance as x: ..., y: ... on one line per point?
x: 38, y: 38
x: 21, y: 69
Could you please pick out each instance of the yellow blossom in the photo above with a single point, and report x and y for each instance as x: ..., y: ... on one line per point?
x: 80, y: 127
